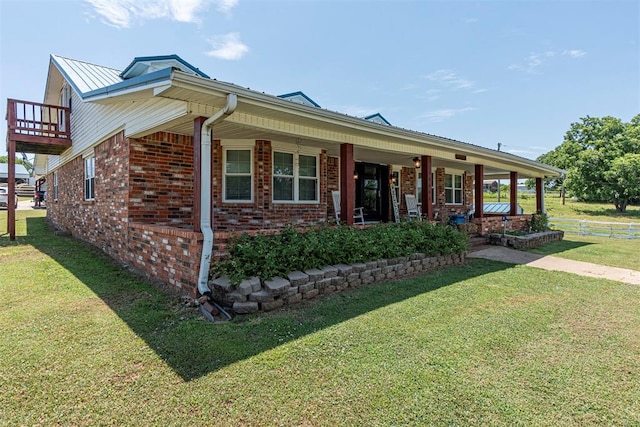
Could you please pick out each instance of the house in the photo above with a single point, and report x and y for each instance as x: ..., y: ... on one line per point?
x: 158, y: 163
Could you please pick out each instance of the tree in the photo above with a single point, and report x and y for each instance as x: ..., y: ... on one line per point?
x: 600, y: 155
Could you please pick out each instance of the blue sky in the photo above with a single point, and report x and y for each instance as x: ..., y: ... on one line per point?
x: 484, y: 72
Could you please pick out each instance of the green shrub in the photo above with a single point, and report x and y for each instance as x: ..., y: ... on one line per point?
x: 539, y: 222
x: 266, y: 256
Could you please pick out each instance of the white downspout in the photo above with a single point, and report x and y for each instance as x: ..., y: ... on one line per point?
x: 205, y: 191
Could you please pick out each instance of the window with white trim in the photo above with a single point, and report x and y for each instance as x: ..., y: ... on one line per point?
x: 419, y: 188
x: 55, y: 185
x: 453, y: 189
x: 89, y: 178
x: 295, y: 177
x: 238, y: 175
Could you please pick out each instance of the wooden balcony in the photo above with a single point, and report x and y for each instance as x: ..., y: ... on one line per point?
x: 38, y: 128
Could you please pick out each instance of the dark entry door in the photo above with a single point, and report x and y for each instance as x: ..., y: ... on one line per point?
x: 372, y: 191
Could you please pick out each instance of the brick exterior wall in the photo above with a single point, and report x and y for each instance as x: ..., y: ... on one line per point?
x: 103, y: 222
x: 167, y: 254
x: 333, y: 184
x: 493, y: 224
x: 161, y: 180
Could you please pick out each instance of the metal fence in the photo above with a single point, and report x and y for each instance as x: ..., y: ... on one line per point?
x: 618, y: 230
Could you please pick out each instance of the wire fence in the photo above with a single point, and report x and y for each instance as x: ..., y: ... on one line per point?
x: 618, y: 230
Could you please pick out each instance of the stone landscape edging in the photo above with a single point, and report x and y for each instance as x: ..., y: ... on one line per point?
x: 526, y: 241
x: 255, y: 295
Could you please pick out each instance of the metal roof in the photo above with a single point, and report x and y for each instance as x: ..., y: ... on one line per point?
x: 499, y: 208
x: 86, y: 77
x: 21, y: 171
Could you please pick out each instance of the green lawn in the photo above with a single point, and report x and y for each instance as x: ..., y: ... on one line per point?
x: 84, y: 343
x: 600, y: 250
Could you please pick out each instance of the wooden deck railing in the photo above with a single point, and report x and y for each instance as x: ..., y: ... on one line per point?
x: 39, y: 120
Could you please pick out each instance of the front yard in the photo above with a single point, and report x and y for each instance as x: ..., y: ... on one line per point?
x: 85, y: 343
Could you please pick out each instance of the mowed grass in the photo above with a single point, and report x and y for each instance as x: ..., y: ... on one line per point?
x: 621, y: 253
x: 85, y: 343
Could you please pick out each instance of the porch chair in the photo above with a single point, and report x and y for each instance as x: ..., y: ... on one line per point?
x: 413, y: 210
x: 358, y: 213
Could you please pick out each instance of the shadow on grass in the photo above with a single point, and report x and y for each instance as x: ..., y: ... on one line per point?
x: 558, y: 247
x: 193, y: 347
x: 610, y: 212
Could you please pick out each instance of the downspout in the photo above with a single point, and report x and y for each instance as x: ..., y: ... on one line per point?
x: 205, y: 191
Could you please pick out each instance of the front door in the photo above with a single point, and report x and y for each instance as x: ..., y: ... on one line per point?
x: 372, y: 191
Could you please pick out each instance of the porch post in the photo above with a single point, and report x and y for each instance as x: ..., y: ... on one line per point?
x: 539, y: 195
x: 197, y: 185
x: 513, y: 193
x: 479, y: 196
x: 347, y: 184
x: 11, y: 187
x: 427, y: 185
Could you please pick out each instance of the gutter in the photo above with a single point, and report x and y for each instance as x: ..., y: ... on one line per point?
x: 205, y: 191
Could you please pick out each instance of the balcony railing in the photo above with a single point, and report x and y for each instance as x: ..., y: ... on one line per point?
x: 38, y: 128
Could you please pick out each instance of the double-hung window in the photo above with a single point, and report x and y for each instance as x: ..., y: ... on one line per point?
x: 295, y: 177
x: 238, y: 172
x: 55, y: 185
x: 89, y: 178
x: 419, y: 188
x: 453, y: 189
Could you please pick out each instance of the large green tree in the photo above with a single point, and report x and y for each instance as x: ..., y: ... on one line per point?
x: 601, y: 156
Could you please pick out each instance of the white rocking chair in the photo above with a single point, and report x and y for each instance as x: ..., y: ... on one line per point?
x: 413, y: 210
x: 358, y: 213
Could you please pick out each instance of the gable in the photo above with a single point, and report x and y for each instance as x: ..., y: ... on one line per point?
x: 148, y: 64
x: 377, y: 118
x: 300, y: 98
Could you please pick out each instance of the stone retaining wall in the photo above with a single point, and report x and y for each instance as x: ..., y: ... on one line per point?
x: 255, y: 295
x: 527, y: 241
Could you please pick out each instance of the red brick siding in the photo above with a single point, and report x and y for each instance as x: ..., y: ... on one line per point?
x: 161, y: 180
x: 333, y: 184
x: 103, y: 221
x: 167, y: 254
x: 493, y: 224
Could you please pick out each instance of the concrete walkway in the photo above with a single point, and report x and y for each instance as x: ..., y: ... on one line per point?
x: 500, y: 253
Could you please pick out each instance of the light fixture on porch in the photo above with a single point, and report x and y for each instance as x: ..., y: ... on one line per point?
x: 416, y: 162
x: 392, y: 178
x: 355, y: 174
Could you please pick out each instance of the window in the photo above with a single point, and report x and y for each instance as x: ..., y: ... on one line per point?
x: 295, y: 177
x: 453, y: 189
x: 419, y: 188
x: 55, y: 185
x: 238, y: 182
x: 89, y: 178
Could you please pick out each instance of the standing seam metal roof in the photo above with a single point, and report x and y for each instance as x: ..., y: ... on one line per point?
x: 86, y: 77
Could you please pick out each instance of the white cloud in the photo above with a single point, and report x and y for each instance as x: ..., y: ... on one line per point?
x: 123, y: 13
x: 445, y: 113
x: 574, y: 53
x: 226, y: 5
x: 450, y: 80
x: 532, y: 62
x: 227, y: 46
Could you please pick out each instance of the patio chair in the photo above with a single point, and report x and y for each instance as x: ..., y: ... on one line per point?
x: 413, y: 210
x: 358, y: 213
